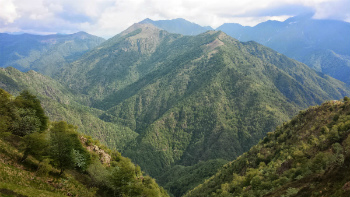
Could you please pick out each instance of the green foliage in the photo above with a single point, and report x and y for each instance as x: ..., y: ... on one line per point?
x: 346, y: 99
x: 180, y: 179
x: 291, y: 192
x: 177, y: 100
x: 44, y: 168
x: 292, y: 163
x: 25, y: 165
x: 26, y: 100
x: 35, y: 144
x: 23, y: 115
x: 5, y: 111
x: 66, y: 151
x: 122, y: 178
x: 61, y: 104
x: 61, y: 145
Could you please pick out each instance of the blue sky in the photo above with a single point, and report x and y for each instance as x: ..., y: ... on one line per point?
x: 106, y: 18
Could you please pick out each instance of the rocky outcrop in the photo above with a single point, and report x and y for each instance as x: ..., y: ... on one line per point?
x: 105, y: 158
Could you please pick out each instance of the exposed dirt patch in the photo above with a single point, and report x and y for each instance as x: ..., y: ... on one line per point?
x: 216, y: 43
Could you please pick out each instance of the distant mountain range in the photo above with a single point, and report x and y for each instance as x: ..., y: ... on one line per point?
x: 45, y: 54
x: 323, y: 45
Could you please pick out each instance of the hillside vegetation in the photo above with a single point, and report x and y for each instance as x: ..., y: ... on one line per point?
x: 60, y: 103
x: 193, y: 98
x: 176, y: 104
x: 307, y: 156
x: 42, y: 158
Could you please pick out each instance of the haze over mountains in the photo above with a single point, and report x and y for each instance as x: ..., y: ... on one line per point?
x: 45, y: 54
x: 321, y: 44
x: 173, y: 103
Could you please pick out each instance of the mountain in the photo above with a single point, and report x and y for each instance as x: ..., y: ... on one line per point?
x: 118, y: 62
x: 44, y: 158
x: 308, y: 156
x: 193, y: 98
x: 178, y: 26
x: 45, y: 54
x: 320, y: 44
x: 60, y: 103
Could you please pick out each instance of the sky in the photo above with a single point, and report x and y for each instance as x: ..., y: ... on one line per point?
x: 106, y: 18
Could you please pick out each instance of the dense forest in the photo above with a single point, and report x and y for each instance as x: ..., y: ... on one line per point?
x: 43, y: 158
x: 307, y: 156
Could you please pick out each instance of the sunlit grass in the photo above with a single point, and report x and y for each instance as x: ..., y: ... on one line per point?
x: 15, y: 176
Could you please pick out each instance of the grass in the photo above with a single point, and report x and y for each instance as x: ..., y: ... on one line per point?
x: 20, y: 179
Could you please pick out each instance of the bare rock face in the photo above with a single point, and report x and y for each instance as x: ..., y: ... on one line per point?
x: 105, y: 158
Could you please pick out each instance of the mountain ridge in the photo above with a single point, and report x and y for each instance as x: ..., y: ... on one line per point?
x: 44, y: 53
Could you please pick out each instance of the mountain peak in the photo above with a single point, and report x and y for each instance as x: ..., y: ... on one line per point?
x: 301, y: 17
x: 178, y: 26
x: 147, y: 20
x: 146, y: 28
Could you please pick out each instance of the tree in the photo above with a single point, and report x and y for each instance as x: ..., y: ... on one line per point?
x: 66, y: 150
x: 25, y: 122
x: 27, y: 100
x: 123, y: 178
x: 35, y: 144
x: 61, y: 146
x: 5, y: 118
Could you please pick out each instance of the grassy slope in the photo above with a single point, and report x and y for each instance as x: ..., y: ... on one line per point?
x: 20, y: 178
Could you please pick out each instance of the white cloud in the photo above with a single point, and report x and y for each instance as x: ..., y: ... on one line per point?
x: 109, y: 17
x: 7, y: 11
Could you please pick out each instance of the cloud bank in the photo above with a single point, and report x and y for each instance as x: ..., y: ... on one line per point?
x: 108, y: 17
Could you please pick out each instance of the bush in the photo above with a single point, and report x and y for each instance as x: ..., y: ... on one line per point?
x: 44, y: 168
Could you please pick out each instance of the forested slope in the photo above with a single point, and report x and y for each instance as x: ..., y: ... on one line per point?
x: 194, y: 98
x: 60, y: 103
x: 43, y: 158
x: 307, y: 156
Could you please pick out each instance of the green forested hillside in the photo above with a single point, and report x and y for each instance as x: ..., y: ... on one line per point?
x: 180, y: 179
x: 177, y: 104
x: 116, y: 63
x: 194, y: 98
x: 43, y: 158
x: 62, y: 104
x: 307, y: 156
x: 45, y: 54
